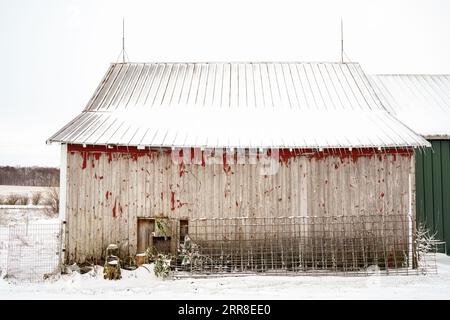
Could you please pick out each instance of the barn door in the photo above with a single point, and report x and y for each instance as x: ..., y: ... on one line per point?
x: 146, y: 238
x: 144, y: 234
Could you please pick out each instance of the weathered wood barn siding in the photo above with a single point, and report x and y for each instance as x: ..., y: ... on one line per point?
x: 108, y: 190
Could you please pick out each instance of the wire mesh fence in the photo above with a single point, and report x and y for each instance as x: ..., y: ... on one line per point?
x: 4, y: 237
x: 333, y: 245
x: 341, y: 245
x: 30, y: 252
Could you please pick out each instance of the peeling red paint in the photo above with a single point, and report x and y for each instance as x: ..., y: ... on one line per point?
x: 226, y: 166
x: 98, y: 150
x: 120, y: 209
x: 181, y: 169
x: 284, y: 154
x: 172, y: 201
x: 162, y: 195
x: 354, y: 154
x: 180, y: 204
x: 85, y: 155
x: 114, y: 209
x: 382, y: 194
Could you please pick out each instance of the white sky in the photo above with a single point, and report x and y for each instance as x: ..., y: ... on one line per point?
x: 54, y: 53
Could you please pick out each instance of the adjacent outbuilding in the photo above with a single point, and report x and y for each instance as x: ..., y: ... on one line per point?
x: 422, y: 102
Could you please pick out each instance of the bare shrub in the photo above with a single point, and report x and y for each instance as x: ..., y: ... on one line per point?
x: 2, y: 200
x: 11, y: 199
x: 36, y: 198
x: 22, y: 200
x: 425, y: 243
x: 52, y: 201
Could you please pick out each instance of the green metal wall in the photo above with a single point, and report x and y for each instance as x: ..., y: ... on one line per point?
x: 433, y: 188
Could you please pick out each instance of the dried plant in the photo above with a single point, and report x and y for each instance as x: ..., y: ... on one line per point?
x: 36, y: 198
x: 162, y: 265
x: 11, y: 199
x: 425, y: 243
x: 23, y: 200
x: 52, y: 201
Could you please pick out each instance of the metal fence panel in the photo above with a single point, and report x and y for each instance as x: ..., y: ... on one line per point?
x: 339, y: 245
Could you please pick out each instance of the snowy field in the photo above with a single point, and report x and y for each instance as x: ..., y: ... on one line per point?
x: 28, y: 236
x: 15, y: 214
x: 28, y: 190
x: 142, y: 284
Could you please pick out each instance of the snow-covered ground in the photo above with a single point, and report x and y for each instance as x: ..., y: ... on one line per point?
x: 16, y: 214
x: 142, y: 284
x: 13, y: 215
x: 28, y: 190
x: 29, y: 236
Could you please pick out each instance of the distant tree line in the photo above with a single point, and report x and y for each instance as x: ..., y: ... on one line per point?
x: 29, y: 176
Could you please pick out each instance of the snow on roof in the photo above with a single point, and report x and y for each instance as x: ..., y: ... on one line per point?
x: 422, y: 102
x: 242, y: 105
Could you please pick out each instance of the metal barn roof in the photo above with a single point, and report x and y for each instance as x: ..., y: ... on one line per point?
x: 422, y: 102
x: 242, y: 105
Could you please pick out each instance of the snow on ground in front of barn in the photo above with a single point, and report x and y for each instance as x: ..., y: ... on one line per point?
x: 142, y: 284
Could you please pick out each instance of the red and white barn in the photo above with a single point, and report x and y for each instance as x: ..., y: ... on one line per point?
x: 189, y: 141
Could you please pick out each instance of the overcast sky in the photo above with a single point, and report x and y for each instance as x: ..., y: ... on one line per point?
x: 54, y: 53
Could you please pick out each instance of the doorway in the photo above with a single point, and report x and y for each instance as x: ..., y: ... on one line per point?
x: 146, y: 238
